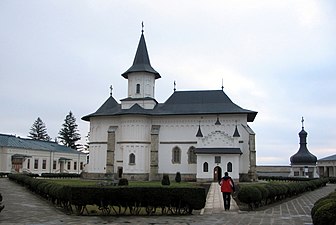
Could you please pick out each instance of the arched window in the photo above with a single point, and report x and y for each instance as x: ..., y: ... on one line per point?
x: 176, y: 156
x: 137, y: 89
x: 192, y: 155
x: 229, y: 167
x: 131, y: 158
x: 205, y: 167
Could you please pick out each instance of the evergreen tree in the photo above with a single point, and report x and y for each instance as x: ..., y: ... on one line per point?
x: 69, y: 134
x: 38, y: 131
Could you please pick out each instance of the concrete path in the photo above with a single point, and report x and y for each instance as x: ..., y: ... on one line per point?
x: 215, y: 202
x: 23, y: 207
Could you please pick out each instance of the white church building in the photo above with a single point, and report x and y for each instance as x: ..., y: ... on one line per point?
x: 200, y: 134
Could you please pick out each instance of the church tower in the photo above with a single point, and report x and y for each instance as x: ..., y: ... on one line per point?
x: 303, y: 163
x: 141, y: 79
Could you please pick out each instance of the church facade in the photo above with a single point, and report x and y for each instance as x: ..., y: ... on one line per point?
x: 200, y: 134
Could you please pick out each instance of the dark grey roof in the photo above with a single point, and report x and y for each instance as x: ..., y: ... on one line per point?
x: 202, y: 102
x: 329, y: 158
x: 303, y: 156
x: 141, y: 61
x: 17, y: 142
x: 179, y: 103
x: 218, y: 151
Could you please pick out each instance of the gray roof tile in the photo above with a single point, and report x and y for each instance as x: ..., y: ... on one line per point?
x: 180, y: 103
x: 17, y: 142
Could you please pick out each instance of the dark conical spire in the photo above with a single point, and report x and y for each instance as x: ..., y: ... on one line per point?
x: 199, y: 132
x: 141, y: 61
x: 236, y: 132
x: 303, y: 156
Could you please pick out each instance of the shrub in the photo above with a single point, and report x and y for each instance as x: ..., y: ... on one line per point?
x: 250, y: 195
x: 165, y: 180
x: 178, y: 177
x: 1, y: 206
x: 325, y: 215
x: 123, y: 182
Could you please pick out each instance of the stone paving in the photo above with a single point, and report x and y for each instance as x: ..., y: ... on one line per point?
x: 23, y: 207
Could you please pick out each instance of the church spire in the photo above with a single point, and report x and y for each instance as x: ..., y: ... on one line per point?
x: 141, y: 61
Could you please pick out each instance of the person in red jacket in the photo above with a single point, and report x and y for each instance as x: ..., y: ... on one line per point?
x: 227, y: 187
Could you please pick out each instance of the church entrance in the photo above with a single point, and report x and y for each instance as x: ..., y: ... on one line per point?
x: 217, y: 173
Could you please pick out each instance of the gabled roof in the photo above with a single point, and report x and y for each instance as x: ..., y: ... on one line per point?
x: 201, y: 102
x: 141, y: 61
x: 25, y: 143
x: 180, y: 103
x: 329, y: 158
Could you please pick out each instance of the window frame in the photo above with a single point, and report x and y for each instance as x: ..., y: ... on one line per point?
x: 205, y: 167
x: 192, y: 157
x: 176, y: 155
x: 131, y: 159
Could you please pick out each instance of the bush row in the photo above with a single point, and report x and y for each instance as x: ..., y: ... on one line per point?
x: 118, y: 199
x: 277, y: 178
x: 323, y: 212
x: 332, y: 180
x: 60, y: 175
x: 257, y: 195
x: 3, y: 174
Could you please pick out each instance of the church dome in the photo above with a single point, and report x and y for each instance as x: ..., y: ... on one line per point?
x: 303, y: 156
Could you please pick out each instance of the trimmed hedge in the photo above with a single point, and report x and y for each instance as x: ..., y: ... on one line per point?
x: 256, y: 195
x: 118, y: 199
x: 323, y: 212
x: 60, y: 175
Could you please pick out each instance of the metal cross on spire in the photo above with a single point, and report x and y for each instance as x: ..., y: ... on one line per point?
x: 142, y: 27
x: 111, y: 89
x: 174, y: 86
x: 302, y: 123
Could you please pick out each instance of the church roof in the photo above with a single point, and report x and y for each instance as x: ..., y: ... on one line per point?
x: 141, y: 61
x: 179, y: 103
x: 25, y: 143
x: 202, y: 102
x: 303, y: 156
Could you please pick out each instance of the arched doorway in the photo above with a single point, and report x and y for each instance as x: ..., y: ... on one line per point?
x: 217, y: 173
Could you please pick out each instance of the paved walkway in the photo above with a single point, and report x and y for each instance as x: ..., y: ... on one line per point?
x: 23, y: 207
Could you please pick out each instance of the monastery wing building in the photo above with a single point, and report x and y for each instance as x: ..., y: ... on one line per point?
x: 200, y: 134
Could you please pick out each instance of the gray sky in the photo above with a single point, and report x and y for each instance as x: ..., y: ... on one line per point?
x: 275, y: 57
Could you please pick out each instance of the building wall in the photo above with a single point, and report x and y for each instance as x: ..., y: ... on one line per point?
x: 133, y: 135
x: 44, y: 163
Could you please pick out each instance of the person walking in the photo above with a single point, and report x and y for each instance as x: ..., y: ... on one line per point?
x: 227, y: 187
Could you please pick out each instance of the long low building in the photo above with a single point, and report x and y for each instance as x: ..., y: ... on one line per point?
x: 327, y: 166
x: 35, y: 156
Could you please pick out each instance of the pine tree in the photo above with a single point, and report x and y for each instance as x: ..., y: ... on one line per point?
x: 38, y: 131
x: 69, y: 134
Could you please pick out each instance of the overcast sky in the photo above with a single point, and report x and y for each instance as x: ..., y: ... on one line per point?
x: 274, y: 57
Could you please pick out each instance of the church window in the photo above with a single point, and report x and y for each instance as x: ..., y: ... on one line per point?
x: 75, y: 165
x: 44, y: 164
x: 205, y: 167
x: 69, y: 165
x: 229, y: 167
x: 36, y: 164
x: 176, y: 155
x: 132, y: 158
x: 138, y: 89
x: 54, y: 164
x: 217, y: 159
x: 192, y: 155
x: 28, y: 164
